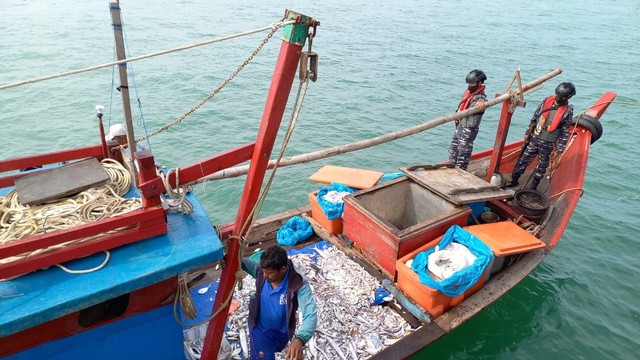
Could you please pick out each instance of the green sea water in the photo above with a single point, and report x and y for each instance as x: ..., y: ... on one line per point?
x: 383, y: 66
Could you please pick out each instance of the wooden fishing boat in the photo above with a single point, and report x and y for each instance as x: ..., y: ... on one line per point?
x: 126, y: 307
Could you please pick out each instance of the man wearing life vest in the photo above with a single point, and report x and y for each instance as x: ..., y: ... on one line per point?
x: 467, y: 127
x: 549, y: 127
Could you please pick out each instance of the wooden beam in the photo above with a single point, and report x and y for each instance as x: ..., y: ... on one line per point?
x: 51, y: 158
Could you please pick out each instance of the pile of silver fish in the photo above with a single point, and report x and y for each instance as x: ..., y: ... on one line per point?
x: 349, y: 327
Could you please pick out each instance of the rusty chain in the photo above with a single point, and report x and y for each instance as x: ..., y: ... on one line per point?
x: 220, y: 87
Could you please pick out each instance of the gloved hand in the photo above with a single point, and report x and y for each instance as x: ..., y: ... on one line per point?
x: 480, y: 104
x: 554, y: 160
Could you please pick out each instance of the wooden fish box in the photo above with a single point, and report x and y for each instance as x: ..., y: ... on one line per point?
x: 391, y: 220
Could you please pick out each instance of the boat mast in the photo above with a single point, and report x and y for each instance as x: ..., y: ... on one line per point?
x: 293, y: 39
x: 124, y: 85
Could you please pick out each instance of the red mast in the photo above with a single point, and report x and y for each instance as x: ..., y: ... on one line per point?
x: 293, y: 40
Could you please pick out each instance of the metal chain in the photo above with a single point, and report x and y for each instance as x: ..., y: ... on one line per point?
x: 274, y: 27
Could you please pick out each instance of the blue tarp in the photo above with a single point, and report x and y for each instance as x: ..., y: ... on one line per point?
x: 462, y: 280
x: 294, y: 231
x: 333, y: 210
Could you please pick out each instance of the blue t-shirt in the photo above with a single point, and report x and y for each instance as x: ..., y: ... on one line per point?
x: 273, y: 305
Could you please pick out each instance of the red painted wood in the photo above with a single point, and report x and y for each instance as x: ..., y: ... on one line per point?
x: 147, y: 173
x: 281, y: 83
x: 103, y: 140
x: 501, y: 139
x: 61, y: 236
x: 51, y: 158
x: 140, y: 301
x: 599, y: 107
x: 384, y: 246
x: 70, y: 252
x: 213, y: 164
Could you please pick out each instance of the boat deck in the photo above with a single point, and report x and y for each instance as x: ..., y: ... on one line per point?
x: 44, y: 295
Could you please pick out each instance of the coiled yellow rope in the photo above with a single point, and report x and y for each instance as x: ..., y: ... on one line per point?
x: 18, y: 222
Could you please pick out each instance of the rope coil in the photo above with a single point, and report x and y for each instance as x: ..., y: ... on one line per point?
x: 18, y: 222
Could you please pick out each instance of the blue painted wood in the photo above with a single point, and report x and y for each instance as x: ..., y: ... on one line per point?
x: 44, y: 295
x: 150, y: 335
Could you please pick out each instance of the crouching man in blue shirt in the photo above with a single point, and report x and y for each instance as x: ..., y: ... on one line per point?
x: 280, y: 291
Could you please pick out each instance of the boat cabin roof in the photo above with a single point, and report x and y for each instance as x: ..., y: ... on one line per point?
x: 44, y: 295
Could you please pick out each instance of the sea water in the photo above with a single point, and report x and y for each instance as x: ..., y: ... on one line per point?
x: 383, y: 66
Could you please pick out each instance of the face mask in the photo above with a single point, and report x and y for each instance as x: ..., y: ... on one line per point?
x: 473, y: 88
x: 562, y: 101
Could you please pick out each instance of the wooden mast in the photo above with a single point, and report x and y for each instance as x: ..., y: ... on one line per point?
x: 124, y: 84
x: 293, y: 40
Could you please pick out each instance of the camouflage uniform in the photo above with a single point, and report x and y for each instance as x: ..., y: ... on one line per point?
x: 466, y: 132
x: 541, y: 142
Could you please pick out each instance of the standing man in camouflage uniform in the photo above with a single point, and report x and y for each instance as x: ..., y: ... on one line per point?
x: 467, y: 127
x: 549, y: 127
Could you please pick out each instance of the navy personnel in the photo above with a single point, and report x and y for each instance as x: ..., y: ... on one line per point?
x: 467, y: 127
x: 549, y: 128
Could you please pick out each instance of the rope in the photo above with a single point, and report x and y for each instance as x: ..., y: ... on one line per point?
x: 177, y: 201
x: 253, y: 215
x: 77, y: 272
x: 18, y: 222
x: 273, y: 26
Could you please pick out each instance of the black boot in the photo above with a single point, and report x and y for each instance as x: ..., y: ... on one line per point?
x: 534, y: 184
x: 512, y: 183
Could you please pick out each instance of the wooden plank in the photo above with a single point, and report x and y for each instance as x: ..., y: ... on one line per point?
x: 455, y: 184
x: 43, y: 241
x: 411, y: 343
x: 57, y: 183
x: 352, y: 177
x: 50, y: 158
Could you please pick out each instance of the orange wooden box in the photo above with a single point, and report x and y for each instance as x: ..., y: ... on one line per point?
x: 435, y: 302
x: 332, y: 226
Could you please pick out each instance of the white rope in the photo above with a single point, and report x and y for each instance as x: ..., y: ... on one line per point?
x: 76, y: 272
x: 177, y: 201
x: 18, y: 222
x: 271, y: 26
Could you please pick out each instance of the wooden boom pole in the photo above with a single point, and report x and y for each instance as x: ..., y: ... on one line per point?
x: 367, y: 143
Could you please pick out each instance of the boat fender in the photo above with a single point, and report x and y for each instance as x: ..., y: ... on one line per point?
x: 592, y: 124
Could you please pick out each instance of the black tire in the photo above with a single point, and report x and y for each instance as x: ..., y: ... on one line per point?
x: 592, y: 124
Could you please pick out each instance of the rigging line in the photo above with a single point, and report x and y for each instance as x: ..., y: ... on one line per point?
x: 248, y: 224
x: 212, y: 94
x: 113, y: 79
x: 273, y: 26
x: 135, y: 87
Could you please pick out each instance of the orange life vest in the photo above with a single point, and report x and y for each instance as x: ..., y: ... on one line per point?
x: 547, y: 107
x: 468, y: 96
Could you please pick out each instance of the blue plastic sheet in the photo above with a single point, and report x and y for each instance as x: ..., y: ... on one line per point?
x: 333, y: 210
x: 462, y: 280
x: 294, y: 231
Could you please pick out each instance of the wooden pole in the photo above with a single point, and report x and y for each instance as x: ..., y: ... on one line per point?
x: 285, y: 71
x: 363, y: 144
x: 124, y: 85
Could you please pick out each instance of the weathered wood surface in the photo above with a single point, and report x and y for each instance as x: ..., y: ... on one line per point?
x: 60, y: 182
x: 455, y: 184
x: 352, y: 177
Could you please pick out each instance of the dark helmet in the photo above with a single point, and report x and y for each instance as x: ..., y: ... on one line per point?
x: 476, y: 76
x: 565, y: 91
